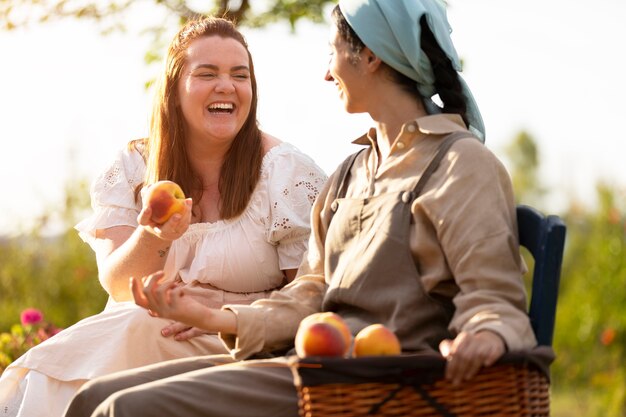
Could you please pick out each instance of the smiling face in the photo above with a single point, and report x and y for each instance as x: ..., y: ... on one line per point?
x: 215, y: 89
x: 346, y: 72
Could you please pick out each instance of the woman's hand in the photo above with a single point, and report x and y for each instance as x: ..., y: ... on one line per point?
x: 469, y: 352
x: 182, y: 331
x: 168, y: 300
x: 173, y: 228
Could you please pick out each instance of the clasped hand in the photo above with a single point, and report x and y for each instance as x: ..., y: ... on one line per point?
x: 168, y: 300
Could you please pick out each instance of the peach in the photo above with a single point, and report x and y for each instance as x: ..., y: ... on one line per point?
x: 165, y: 198
x: 319, y: 339
x: 376, y: 340
x: 336, y: 321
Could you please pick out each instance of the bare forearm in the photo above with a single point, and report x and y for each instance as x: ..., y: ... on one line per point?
x: 141, y: 254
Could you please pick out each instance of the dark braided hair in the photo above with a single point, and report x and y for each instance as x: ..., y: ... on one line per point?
x: 447, y: 83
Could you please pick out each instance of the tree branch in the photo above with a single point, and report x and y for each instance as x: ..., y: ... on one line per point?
x: 235, y: 16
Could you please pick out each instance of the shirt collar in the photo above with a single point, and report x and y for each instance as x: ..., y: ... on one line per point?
x: 435, y: 124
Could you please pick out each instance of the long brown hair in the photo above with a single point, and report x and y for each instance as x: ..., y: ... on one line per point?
x: 166, y: 148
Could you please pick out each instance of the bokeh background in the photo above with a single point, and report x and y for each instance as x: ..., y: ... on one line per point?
x: 75, y: 86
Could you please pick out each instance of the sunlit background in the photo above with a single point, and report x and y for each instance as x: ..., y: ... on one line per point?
x: 70, y: 97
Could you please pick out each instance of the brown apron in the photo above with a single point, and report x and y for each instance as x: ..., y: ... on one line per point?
x: 371, y: 273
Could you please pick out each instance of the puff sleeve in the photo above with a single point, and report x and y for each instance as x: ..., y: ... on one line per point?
x: 294, y: 182
x: 113, y: 196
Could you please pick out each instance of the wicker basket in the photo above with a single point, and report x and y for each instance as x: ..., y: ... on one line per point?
x: 413, y: 385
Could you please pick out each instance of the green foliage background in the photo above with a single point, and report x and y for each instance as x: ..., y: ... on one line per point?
x: 589, y: 374
x: 56, y: 274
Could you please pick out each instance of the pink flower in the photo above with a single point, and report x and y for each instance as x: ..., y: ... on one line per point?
x: 31, y: 316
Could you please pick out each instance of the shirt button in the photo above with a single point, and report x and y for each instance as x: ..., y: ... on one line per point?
x: 400, y: 145
x: 407, y: 196
x: 411, y: 128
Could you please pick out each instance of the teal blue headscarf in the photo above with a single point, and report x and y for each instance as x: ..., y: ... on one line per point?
x: 391, y: 29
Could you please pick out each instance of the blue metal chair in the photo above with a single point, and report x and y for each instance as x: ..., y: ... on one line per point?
x: 544, y: 237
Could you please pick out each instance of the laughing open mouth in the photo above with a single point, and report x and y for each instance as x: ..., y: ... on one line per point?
x: 221, y: 108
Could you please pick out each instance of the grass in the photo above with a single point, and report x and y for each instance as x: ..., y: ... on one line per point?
x: 586, y: 402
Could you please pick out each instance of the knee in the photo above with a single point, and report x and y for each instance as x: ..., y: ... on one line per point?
x: 88, y: 397
x: 126, y: 403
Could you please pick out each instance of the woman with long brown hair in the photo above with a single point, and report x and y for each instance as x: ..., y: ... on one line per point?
x: 241, y: 234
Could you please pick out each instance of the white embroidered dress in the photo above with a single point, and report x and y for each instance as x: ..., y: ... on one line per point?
x: 230, y: 261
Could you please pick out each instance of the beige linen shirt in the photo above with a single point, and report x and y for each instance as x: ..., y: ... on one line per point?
x: 463, y: 240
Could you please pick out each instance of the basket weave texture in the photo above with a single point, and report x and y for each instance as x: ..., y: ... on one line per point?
x: 414, y: 386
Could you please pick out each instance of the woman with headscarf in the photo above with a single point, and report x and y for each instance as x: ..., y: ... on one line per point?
x: 417, y: 231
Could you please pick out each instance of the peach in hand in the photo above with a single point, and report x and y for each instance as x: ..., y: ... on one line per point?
x: 376, y: 340
x: 334, y: 320
x: 319, y: 339
x: 164, y: 199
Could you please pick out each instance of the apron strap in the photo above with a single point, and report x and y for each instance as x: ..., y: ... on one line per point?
x: 448, y: 141
x: 344, y: 170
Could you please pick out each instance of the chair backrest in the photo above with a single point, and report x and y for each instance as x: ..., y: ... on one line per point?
x: 544, y: 237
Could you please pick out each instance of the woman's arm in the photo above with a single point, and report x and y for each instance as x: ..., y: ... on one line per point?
x: 167, y: 300
x: 477, y: 231
x: 183, y: 331
x: 124, y: 251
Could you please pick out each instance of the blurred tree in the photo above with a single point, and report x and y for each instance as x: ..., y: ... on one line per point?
x: 17, y: 13
x: 56, y: 274
x: 588, y: 376
x: 590, y: 337
x: 523, y: 154
x: 115, y: 15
